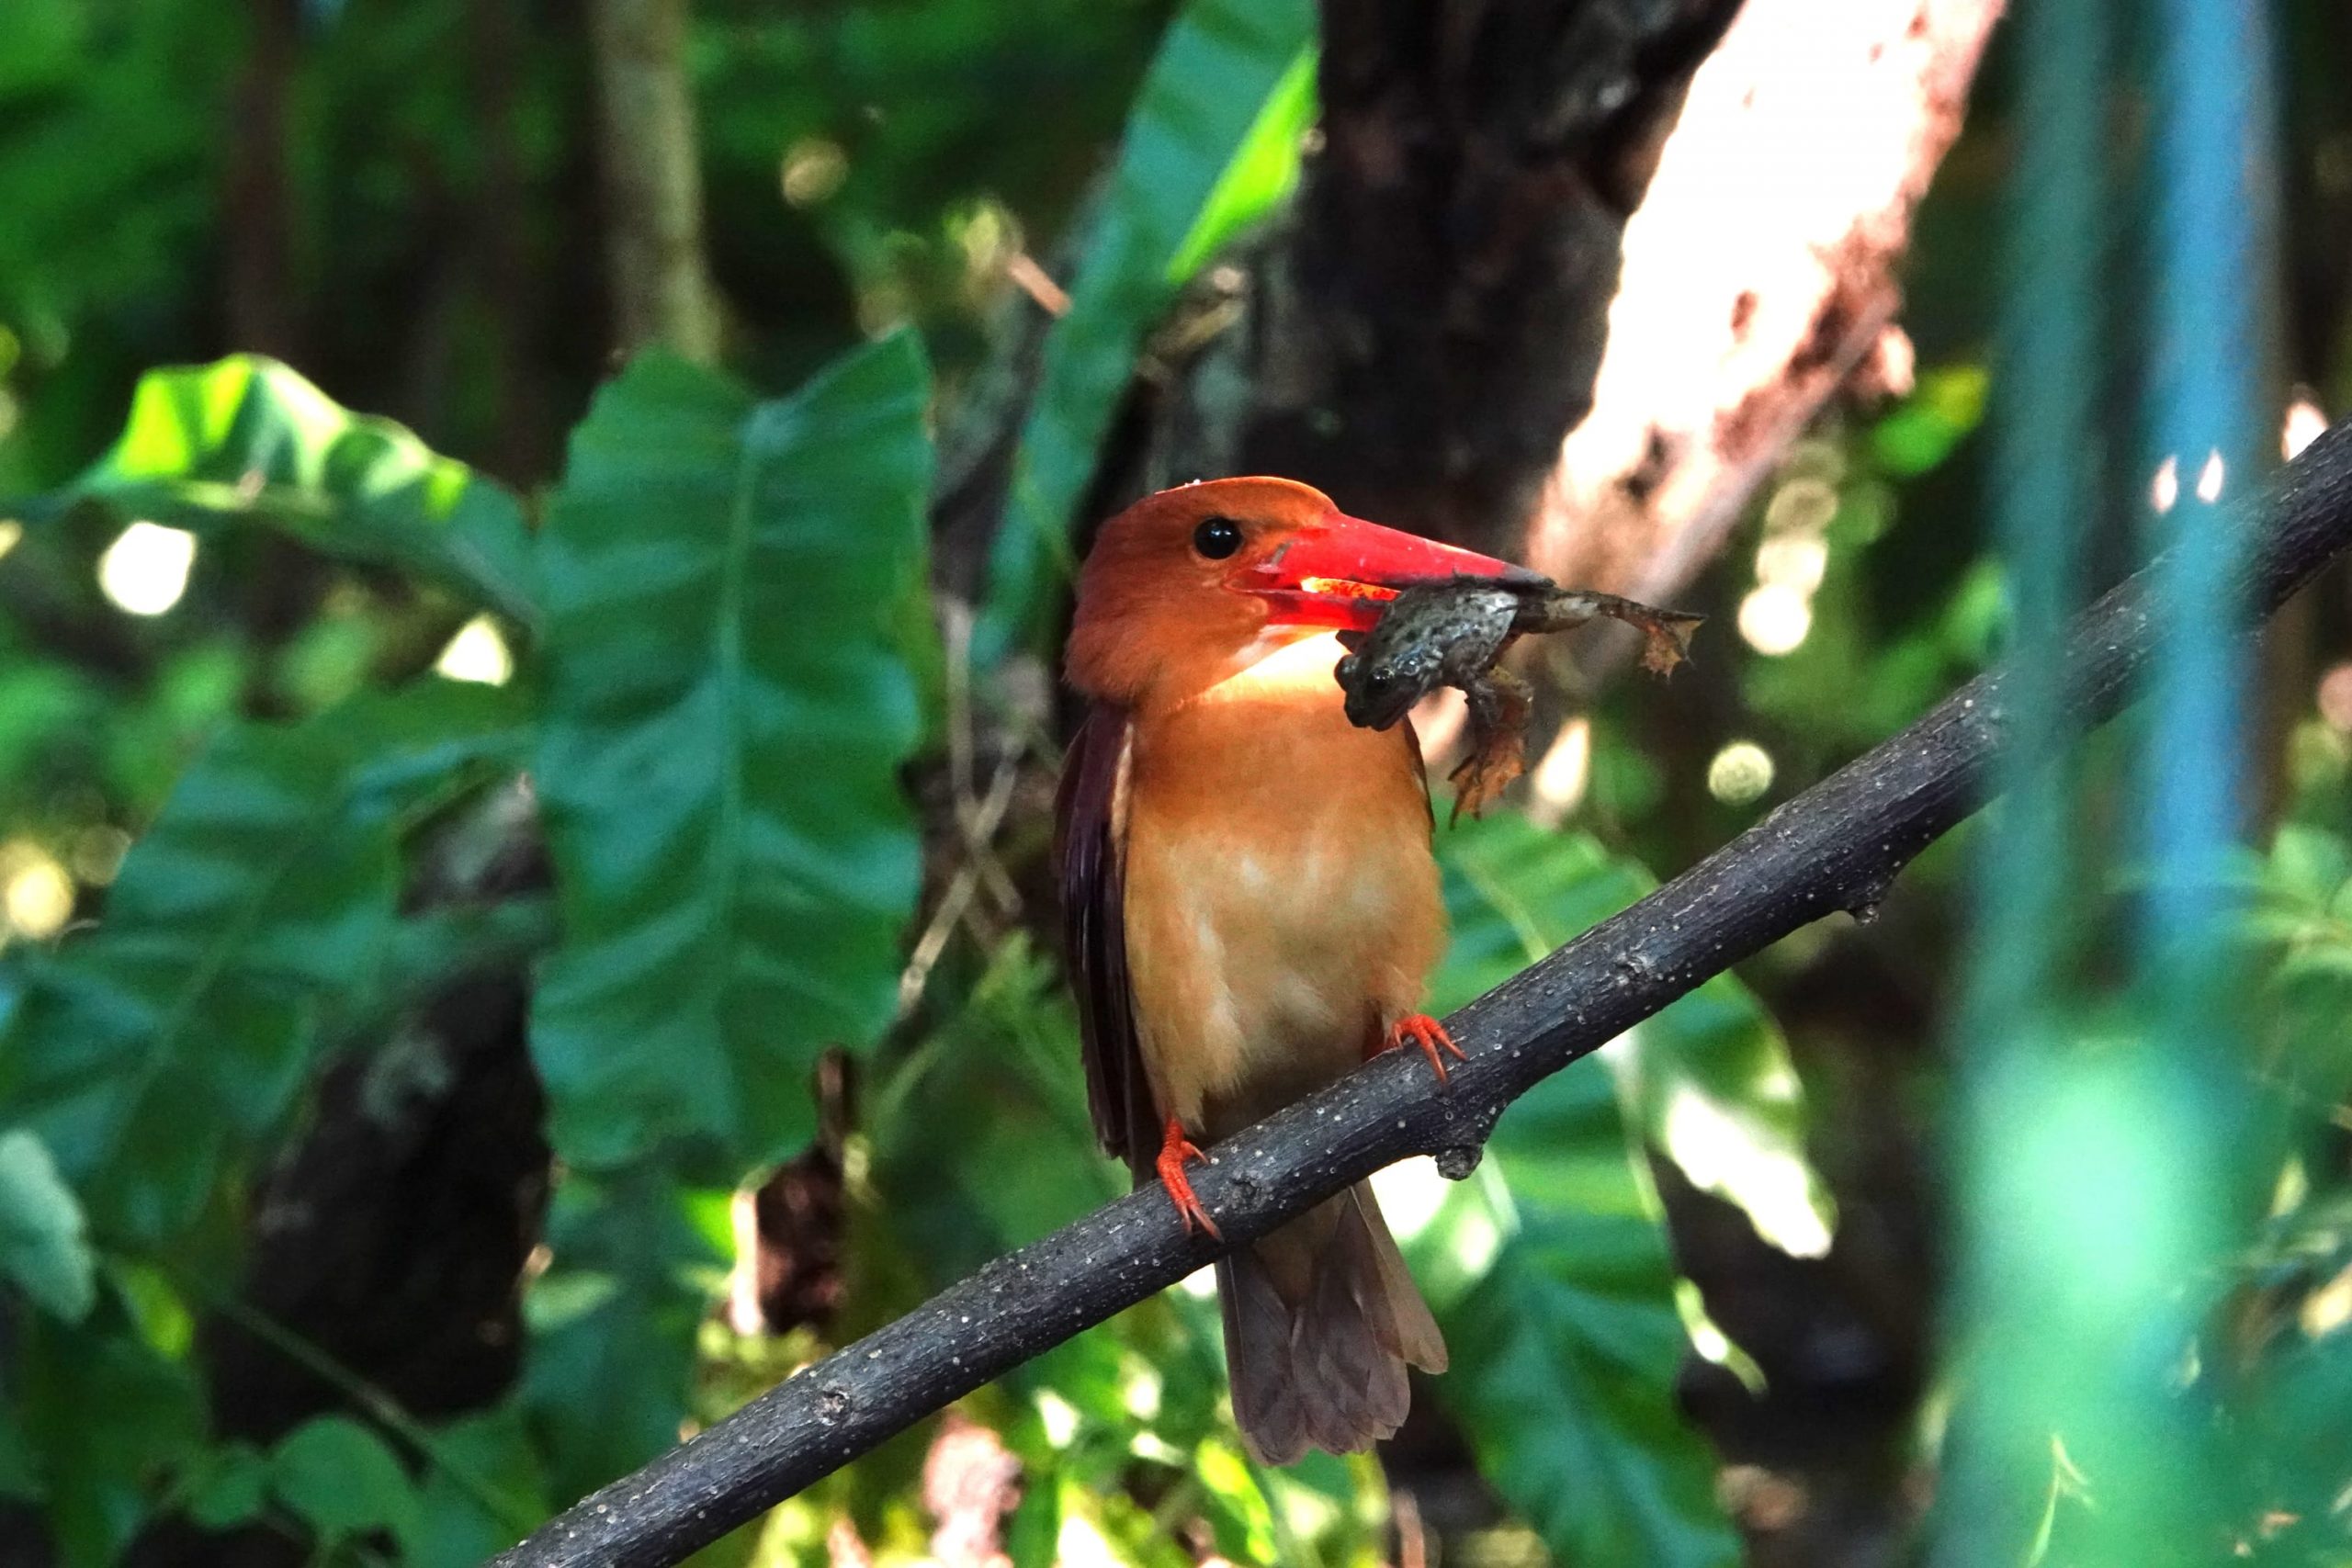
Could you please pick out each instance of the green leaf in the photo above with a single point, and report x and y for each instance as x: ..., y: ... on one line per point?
x: 1549, y: 1269
x: 108, y: 1422
x: 246, y: 438
x: 42, y: 1243
x: 981, y: 1137
x: 341, y: 1480
x: 1211, y: 144
x: 259, y: 903
x: 1920, y: 434
x: 495, y: 1451
x: 1550, y: 1275
x: 2307, y: 865
x: 43, y: 707
x: 18, y: 1479
x: 727, y: 708
x: 228, y: 1486
x: 612, y: 1325
x: 1262, y: 174
x: 1708, y: 1079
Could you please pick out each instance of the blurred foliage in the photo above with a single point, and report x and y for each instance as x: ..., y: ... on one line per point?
x: 280, y: 679
x: 1212, y: 146
x: 226, y: 805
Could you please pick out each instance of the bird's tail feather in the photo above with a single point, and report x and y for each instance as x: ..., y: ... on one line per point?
x: 1321, y: 1319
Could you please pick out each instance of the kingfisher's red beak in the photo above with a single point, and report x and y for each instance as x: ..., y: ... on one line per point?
x: 1340, y: 573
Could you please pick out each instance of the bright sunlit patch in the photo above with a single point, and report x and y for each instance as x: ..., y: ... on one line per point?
x: 145, y: 570
x: 1739, y: 772
x: 36, y: 893
x: 1140, y: 1391
x: 813, y: 169
x: 1718, y: 1153
x: 2328, y: 1308
x: 477, y: 653
x: 1796, y: 561
x: 10, y: 532
x: 1059, y: 1417
x: 1559, y: 780
x: 743, y: 1313
x: 1711, y: 1343
x: 1774, y: 619
x: 2209, y: 479
x: 1080, y: 1544
x: 2335, y: 698
x: 1410, y: 1195
x: 2163, y: 490
x: 2305, y: 423
x: 1200, y: 1285
x: 2293, y: 1186
x: 1708, y: 1340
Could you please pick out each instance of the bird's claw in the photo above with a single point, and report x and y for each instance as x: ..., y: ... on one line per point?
x: 1175, y: 1149
x: 1428, y: 1034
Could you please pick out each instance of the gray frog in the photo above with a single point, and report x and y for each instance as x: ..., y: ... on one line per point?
x: 1453, y: 633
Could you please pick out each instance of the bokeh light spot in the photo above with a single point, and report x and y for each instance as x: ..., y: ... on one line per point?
x: 36, y: 894
x: 477, y: 653
x: 1739, y: 772
x: 1774, y: 619
x: 2305, y: 423
x: 814, y: 169
x: 145, y: 570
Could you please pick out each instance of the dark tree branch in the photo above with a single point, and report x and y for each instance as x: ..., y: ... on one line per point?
x: 1837, y: 846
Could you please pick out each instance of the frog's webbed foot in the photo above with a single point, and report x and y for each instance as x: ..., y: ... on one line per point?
x: 1665, y: 634
x: 1499, y: 704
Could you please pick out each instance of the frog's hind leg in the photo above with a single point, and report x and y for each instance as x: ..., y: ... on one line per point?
x: 1499, y: 704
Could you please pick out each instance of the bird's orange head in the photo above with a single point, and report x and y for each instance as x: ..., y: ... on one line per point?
x: 1191, y: 585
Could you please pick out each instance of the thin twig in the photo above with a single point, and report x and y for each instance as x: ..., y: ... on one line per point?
x: 1838, y: 846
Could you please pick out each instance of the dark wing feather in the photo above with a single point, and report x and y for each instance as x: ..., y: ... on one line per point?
x: 1090, y: 855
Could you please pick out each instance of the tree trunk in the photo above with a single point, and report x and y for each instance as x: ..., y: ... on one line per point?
x: 661, y: 282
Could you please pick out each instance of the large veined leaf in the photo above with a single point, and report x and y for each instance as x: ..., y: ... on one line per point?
x: 1212, y: 145
x: 259, y: 902
x: 248, y: 438
x: 1709, y: 1079
x: 611, y: 1323
x: 494, y: 1450
x: 729, y: 704
x: 341, y: 1480
x: 1549, y: 1272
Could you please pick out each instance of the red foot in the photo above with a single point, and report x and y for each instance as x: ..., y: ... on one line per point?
x: 1428, y: 1034
x: 1174, y: 1150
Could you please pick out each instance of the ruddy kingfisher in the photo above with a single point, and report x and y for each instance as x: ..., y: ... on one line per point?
x: 1251, y: 906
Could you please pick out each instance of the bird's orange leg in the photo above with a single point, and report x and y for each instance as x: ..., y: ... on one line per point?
x: 1429, y: 1034
x: 1174, y: 1150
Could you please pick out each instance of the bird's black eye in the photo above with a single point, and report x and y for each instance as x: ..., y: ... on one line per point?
x: 1218, y: 539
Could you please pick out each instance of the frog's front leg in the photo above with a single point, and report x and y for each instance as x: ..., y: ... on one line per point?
x: 1499, y: 704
